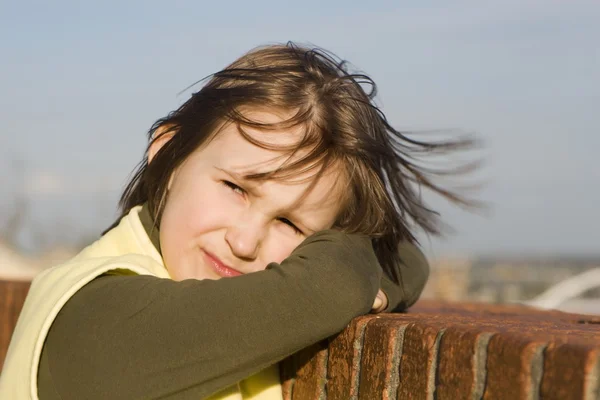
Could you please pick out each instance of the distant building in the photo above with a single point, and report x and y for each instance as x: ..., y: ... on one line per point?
x: 449, y: 279
x: 515, y: 279
x: 502, y: 280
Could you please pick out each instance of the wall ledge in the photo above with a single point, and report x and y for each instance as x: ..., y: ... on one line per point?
x: 453, y: 351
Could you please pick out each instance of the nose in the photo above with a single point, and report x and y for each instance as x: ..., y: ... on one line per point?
x: 245, y: 235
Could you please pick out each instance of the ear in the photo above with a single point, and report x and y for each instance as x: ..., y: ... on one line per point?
x: 161, y: 136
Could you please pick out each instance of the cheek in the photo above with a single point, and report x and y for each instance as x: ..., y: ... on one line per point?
x: 189, y: 214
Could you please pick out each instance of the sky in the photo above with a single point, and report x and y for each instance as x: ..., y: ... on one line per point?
x: 81, y: 83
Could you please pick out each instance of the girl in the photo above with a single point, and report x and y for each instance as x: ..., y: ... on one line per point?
x: 279, y: 175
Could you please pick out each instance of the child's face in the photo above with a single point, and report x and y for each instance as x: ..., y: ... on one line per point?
x: 211, y: 229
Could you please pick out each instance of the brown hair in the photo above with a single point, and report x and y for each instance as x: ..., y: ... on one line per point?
x: 342, y: 126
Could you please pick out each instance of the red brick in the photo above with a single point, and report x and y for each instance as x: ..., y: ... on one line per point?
x: 12, y: 297
x: 311, y: 374
x: 380, y: 364
x: 343, y: 366
x: 514, y: 366
x: 462, y: 357
x: 571, y: 371
x: 287, y: 375
x: 304, y: 374
x: 418, y: 360
x: 287, y: 382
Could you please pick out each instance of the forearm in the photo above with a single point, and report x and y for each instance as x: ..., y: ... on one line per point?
x: 144, y: 337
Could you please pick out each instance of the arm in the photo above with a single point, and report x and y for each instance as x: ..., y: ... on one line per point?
x: 414, y: 272
x: 125, y: 337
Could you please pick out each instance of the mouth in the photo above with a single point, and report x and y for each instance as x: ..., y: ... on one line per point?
x: 223, y: 270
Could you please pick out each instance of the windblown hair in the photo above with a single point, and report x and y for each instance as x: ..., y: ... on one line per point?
x: 342, y: 125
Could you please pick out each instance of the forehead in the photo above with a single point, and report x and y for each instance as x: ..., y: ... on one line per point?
x: 230, y: 145
x: 269, y: 135
x: 230, y: 151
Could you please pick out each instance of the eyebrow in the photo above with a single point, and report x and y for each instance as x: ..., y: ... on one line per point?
x: 251, y: 188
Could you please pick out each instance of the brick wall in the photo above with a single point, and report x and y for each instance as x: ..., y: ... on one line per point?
x: 453, y: 351
x: 12, y: 297
x: 435, y: 351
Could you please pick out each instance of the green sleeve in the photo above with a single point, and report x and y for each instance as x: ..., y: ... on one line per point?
x: 141, y: 337
x: 414, y: 272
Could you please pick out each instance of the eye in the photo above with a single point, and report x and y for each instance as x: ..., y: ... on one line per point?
x: 291, y: 225
x: 234, y: 187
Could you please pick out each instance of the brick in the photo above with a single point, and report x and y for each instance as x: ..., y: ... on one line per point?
x: 462, y: 358
x: 345, y: 351
x: 287, y: 376
x: 514, y: 366
x: 12, y: 297
x: 287, y: 382
x: 311, y: 374
x: 303, y: 375
x: 380, y: 363
x: 571, y: 371
x: 419, y: 361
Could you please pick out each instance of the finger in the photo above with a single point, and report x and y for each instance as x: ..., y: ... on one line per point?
x: 380, y: 302
x: 377, y: 304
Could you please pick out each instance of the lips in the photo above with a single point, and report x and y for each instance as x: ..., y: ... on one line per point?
x: 219, y: 267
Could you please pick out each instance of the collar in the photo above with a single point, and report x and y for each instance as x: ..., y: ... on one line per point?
x: 150, y: 227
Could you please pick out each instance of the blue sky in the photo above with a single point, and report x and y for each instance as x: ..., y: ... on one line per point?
x: 82, y: 82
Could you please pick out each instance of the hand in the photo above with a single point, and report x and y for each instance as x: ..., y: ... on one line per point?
x: 380, y: 303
